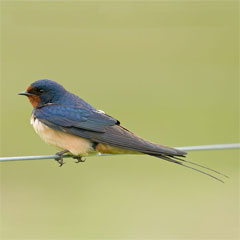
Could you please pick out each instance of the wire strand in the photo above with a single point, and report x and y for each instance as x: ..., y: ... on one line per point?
x: 188, y: 148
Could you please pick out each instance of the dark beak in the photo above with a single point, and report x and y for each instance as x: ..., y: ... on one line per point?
x: 25, y: 93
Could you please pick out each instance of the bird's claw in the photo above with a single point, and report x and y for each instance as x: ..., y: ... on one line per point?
x: 59, y: 160
x: 79, y: 159
x: 59, y: 157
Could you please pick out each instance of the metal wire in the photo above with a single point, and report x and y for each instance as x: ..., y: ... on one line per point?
x: 210, y: 147
x: 188, y: 148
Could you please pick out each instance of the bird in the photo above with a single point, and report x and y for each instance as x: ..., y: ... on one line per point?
x: 66, y: 121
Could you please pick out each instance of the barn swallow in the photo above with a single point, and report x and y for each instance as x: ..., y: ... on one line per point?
x: 66, y: 121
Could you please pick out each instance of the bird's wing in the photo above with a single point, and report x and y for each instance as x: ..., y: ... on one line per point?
x: 98, y: 127
x: 61, y: 116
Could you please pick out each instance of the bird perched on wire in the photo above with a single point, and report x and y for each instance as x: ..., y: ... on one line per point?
x: 65, y: 120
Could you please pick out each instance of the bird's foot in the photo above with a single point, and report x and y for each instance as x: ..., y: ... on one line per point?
x: 79, y: 159
x: 59, y: 159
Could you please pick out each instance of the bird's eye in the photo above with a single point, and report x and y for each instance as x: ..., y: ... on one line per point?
x: 36, y: 91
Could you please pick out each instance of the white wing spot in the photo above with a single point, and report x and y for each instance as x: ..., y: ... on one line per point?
x: 100, y: 111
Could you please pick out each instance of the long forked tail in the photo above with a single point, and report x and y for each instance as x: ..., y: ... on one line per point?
x: 180, y: 161
x: 121, y: 138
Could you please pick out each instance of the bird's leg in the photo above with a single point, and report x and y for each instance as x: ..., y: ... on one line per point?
x: 79, y: 159
x: 59, y: 159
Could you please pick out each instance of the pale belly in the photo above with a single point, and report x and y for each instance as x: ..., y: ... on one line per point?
x: 76, y: 145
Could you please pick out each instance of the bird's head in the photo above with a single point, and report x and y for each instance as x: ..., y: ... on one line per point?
x: 44, y: 91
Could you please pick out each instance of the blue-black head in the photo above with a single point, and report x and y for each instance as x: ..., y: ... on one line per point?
x: 44, y: 91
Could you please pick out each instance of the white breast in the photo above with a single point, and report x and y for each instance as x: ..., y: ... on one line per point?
x: 76, y: 145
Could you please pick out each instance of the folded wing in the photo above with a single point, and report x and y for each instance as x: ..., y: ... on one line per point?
x: 99, y: 128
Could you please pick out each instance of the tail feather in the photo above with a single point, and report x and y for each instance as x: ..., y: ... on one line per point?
x: 179, y: 161
x: 196, y: 164
x: 121, y: 138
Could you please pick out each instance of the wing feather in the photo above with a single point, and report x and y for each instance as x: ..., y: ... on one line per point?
x: 98, y: 127
x: 66, y: 116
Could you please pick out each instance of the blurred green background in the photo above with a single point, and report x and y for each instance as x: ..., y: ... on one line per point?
x: 169, y: 71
